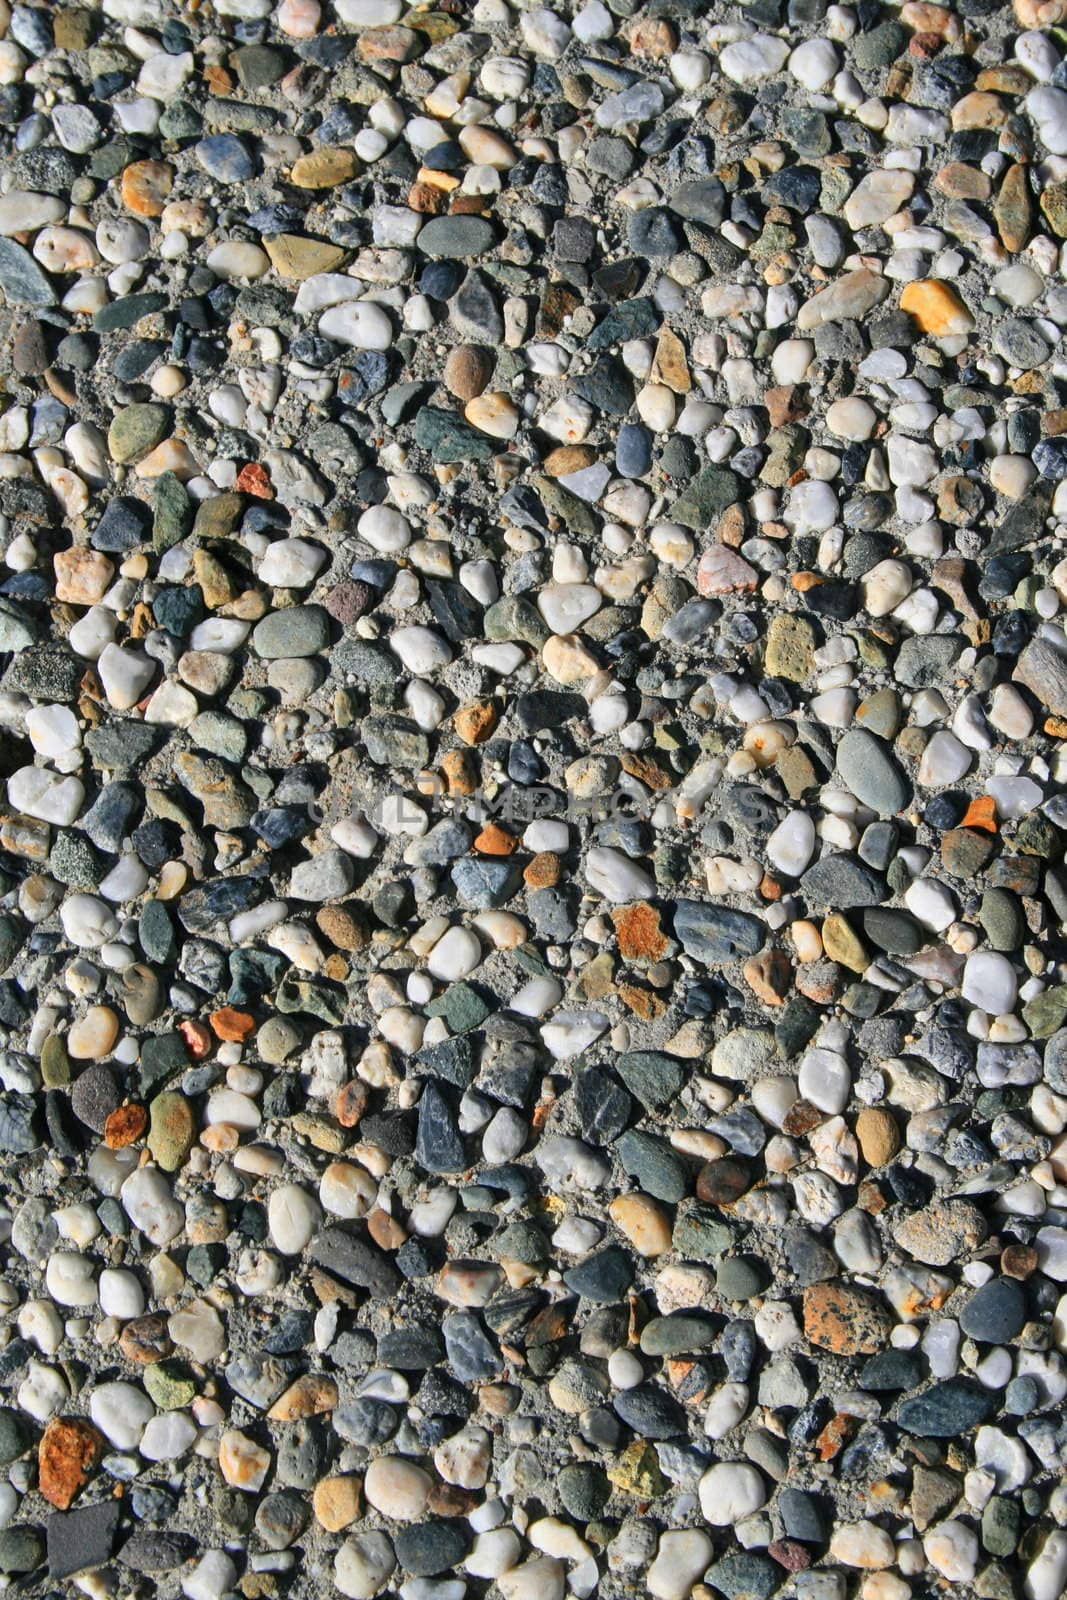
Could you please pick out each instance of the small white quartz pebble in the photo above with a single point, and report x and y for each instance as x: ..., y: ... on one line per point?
x: 752, y: 60
x: 292, y: 1217
x: 730, y: 1491
x: 613, y: 875
x: 121, y: 1411
x: 150, y: 1205
x: 121, y: 1294
x: 990, y: 981
x: 455, y: 955
x: 70, y: 1279
x: 952, y: 1548
x: 168, y: 1436
x: 358, y: 323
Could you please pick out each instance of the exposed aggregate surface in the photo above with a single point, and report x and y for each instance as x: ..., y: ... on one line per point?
x: 533, y: 1003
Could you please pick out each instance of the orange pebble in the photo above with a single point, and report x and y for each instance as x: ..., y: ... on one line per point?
x: 229, y: 1023
x: 146, y: 186
x: 253, y: 479
x: 495, y: 841
x: 351, y: 1102
x: 124, y: 1125
x: 981, y: 813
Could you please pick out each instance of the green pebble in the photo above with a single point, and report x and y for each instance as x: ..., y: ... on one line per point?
x: 171, y: 1129
x: 55, y: 1064
x: 173, y: 511
x: 21, y: 1550
x: 1000, y: 1526
x: 136, y: 431
x: 168, y: 1387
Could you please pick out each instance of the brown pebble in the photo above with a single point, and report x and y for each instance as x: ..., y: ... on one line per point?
x: 426, y: 198
x: 495, y: 841
x: 768, y: 976
x: 124, y: 1125
x: 1019, y: 1261
x: 467, y: 371
x: 475, y: 721
x: 961, y: 182
x: 385, y: 1230
x: 801, y: 1118
x: 231, y: 1024
x: 639, y: 932
x: 347, y: 602
x: 722, y: 1182
x: 845, y: 1320
x: 29, y: 349
x: 146, y: 1340
x: 460, y: 772
x: 568, y: 458
x: 543, y: 870
x: 448, y: 1500
x: 350, y: 1103
x: 342, y: 926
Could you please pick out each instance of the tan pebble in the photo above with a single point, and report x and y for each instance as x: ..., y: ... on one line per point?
x: 862, y: 1544
x: 145, y: 187
x: 65, y: 250
x: 397, y: 1488
x: 243, y: 1463
x: 336, y: 1502
x: 82, y: 575
x: 486, y: 148
x: 172, y: 880
x: 324, y: 169
x: 168, y: 381
x: 170, y: 456
x: 643, y: 1222
x: 93, y: 1036
x: 979, y: 109
x: 193, y: 217
x: 806, y: 940
x: 567, y: 660
x: 878, y: 1135
x: 495, y: 414
x: 309, y: 1396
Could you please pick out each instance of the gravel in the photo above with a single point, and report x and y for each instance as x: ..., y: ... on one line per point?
x: 532, y: 673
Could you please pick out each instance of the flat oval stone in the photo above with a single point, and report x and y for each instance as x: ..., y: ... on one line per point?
x: 871, y: 772
x: 456, y: 237
x: 296, y: 631
x: 996, y: 1312
x: 947, y: 1410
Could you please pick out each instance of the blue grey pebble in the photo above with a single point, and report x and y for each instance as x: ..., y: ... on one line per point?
x: 226, y: 158
x: 633, y: 450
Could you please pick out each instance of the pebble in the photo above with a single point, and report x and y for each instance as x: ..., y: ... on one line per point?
x: 729, y: 1492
